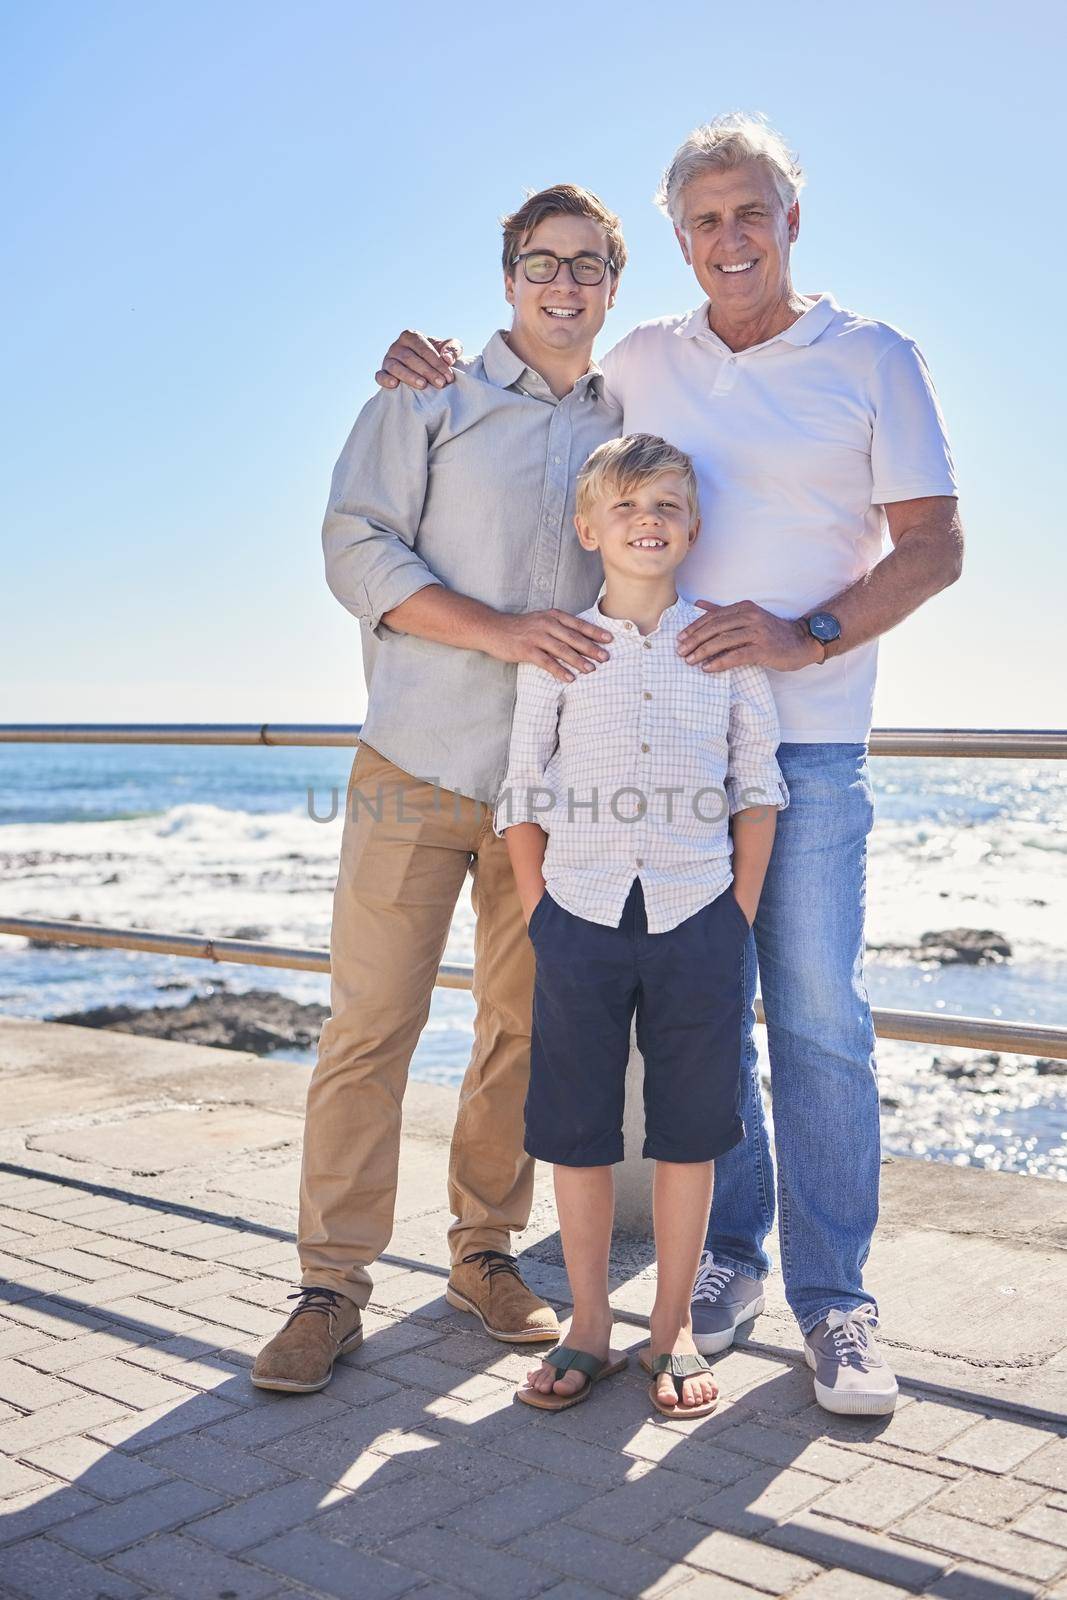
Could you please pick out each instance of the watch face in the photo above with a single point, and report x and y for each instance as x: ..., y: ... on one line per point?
x: 824, y: 626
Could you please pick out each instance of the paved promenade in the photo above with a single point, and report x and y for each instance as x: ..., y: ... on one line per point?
x: 147, y: 1196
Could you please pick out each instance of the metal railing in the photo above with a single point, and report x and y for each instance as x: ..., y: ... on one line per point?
x: 922, y: 1027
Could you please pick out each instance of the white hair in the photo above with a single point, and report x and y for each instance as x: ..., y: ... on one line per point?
x: 727, y: 142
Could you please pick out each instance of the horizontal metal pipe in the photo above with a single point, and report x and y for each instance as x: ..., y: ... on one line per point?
x: 1048, y: 744
x: 920, y: 1027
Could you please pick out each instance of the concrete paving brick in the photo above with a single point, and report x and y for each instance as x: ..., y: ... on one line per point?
x: 55, y: 1319
x: 440, y: 1377
x: 130, y: 1384
x: 138, y: 1430
x: 234, y: 1472
x: 17, y: 1340
x: 123, y: 1284
x: 770, y: 1444
x: 633, y: 1509
x: 624, y: 1570
x: 879, y: 1495
x: 148, y: 1318
x: 108, y: 1474
x: 86, y: 1412
x: 696, y: 1457
x: 234, y: 1313
x: 263, y: 1424
x: 184, y: 1570
x: 264, y: 1515
x: 567, y: 1458
x: 995, y: 1547
x: 334, y: 1570
x: 480, y: 1471
x: 850, y: 1586
x: 385, y: 1338
x: 771, y: 1571
x: 970, y: 1581
x: 986, y: 1499
x: 753, y: 1504
x: 487, y: 1573
x: 872, y: 1555
x: 28, y: 1389
x: 1048, y: 1466
x: 18, y: 1479
x: 38, y: 1569
x: 58, y: 1355
x: 529, y: 1503
x: 380, y: 1513
x: 190, y: 1291
x: 109, y: 1528
x: 327, y: 1449
x: 80, y: 1264
x: 997, y: 1445
x: 34, y: 1510
x: 1043, y: 1522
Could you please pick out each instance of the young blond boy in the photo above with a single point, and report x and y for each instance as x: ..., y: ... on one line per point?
x: 638, y: 810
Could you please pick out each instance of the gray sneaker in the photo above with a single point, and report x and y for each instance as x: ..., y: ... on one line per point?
x: 852, y: 1377
x: 722, y: 1300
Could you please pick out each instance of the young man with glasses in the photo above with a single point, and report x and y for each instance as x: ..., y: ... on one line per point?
x: 449, y: 535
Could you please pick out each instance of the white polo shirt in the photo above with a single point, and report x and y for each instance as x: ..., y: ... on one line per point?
x: 798, y: 443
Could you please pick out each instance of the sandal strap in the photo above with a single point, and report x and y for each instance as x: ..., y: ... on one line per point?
x: 564, y: 1357
x: 679, y: 1367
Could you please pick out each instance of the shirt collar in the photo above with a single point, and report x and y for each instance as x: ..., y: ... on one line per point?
x: 671, y: 621
x: 505, y: 369
x: 805, y: 330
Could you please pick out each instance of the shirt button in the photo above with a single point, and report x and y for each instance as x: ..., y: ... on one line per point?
x: 556, y: 460
x: 639, y: 862
x: 542, y: 583
x: 648, y: 644
x: 648, y: 694
x: 644, y: 749
x: 627, y: 624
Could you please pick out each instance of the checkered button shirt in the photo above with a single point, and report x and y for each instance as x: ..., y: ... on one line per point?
x: 634, y: 770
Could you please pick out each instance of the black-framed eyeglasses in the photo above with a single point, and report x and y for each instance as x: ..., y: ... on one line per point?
x: 541, y: 266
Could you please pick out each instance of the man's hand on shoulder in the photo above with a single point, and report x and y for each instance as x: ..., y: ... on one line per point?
x: 744, y: 635
x: 553, y: 640
x: 418, y: 361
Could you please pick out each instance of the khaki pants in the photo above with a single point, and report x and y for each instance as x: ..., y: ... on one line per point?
x: 405, y: 852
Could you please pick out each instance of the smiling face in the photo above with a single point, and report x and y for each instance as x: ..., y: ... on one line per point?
x: 736, y: 235
x: 560, y: 318
x: 641, y: 532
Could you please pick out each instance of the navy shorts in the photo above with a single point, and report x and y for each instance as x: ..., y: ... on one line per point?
x: 687, y: 988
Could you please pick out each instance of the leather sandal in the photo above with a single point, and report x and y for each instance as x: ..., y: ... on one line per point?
x: 678, y: 1368
x: 565, y: 1359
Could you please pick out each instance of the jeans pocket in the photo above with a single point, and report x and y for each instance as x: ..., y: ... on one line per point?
x: 535, y: 914
x: 742, y: 919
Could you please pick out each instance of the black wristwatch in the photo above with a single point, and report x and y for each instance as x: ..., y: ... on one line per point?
x: 824, y: 629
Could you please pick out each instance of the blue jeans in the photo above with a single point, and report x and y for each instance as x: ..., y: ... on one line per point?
x: 808, y: 937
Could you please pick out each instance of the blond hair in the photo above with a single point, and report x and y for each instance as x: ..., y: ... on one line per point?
x: 624, y: 464
x: 562, y: 200
x: 723, y: 144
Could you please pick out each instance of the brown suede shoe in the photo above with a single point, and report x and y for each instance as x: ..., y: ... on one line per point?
x: 488, y: 1284
x: 300, y: 1358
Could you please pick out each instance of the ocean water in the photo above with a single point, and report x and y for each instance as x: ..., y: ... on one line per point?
x: 244, y: 842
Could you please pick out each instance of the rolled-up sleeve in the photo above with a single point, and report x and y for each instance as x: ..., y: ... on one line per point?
x: 753, y: 776
x: 526, y: 794
x: 376, y: 503
x: 910, y: 454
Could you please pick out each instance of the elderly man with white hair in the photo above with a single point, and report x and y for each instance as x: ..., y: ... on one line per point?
x: 815, y: 433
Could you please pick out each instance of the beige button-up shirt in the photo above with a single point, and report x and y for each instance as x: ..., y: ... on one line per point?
x: 634, y: 770
x: 470, y: 486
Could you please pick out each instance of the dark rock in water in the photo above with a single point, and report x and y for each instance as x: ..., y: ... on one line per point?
x: 57, y: 944
x: 1046, y: 1067
x: 964, y: 946
x: 257, y: 1020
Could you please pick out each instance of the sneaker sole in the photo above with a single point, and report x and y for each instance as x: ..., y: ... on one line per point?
x: 290, y: 1386
x: 461, y: 1303
x: 851, y: 1403
x: 710, y: 1344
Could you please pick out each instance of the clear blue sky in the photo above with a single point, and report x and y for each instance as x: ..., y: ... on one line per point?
x: 218, y: 215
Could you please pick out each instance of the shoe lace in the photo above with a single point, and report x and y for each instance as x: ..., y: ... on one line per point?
x: 493, y: 1263
x: 710, y: 1280
x: 852, y: 1331
x: 323, y: 1300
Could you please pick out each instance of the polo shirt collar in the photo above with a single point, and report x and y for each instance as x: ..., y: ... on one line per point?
x: 505, y: 369
x: 805, y: 330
